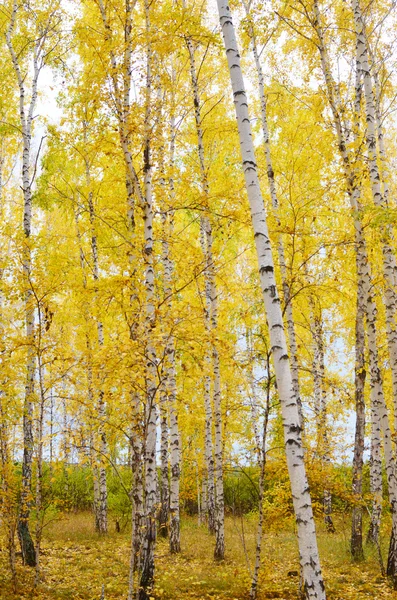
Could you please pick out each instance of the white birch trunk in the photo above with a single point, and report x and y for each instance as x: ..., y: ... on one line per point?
x: 375, y: 474
x: 26, y: 110
x: 275, y: 204
x: 103, y: 503
x: 379, y: 415
x: 147, y: 573
x: 219, y: 551
x: 309, y: 558
x: 137, y: 516
x: 253, y: 397
x: 262, y: 467
x: 39, y: 457
x: 389, y: 260
x: 175, y: 541
x: 358, y: 459
x: 164, y: 466
x: 320, y: 400
x: 7, y: 508
x: 210, y: 290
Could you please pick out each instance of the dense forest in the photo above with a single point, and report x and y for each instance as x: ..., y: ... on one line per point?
x: 198, y: 299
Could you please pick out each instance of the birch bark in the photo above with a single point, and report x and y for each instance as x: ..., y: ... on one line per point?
x: 164, y: 456
x: 175, y: 542
x: 275, y: 204
x: 102, y: 484
x: 262, y: 467
x: 147, y: 573
x: 92, y: 451
x: 320, y: 400
x: 7, y: 510
x: 389, y: 260
x: 356, y: 543
x: 364, y: 275
x: 215, y: 500
x: 39, y: 445
x: 167, y: 291
x: 26, y: 114
x: 309, y: 558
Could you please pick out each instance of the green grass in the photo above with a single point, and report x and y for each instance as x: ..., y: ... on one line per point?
x: 76, y: 562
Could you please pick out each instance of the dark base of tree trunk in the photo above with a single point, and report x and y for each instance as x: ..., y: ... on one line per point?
x: 163, y: 529
x: 175, y: 539
x: 219, y: 552
x: 356, y: 543
x: 211, y: 523
x: 146, y: 582
x: 372, y: 535
x: 391, y: 570
x: 356, y: 548
x: 329, y: 524
x: 27, y: 546
x: 147, y: 561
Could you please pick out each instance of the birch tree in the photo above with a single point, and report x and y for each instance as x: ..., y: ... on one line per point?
x: 42, y: 42
x: 309, y: 558
x: 215, y: 499
x: 287, y: 292
x: 147, y: 564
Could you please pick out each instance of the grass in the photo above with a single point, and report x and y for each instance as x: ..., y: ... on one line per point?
x: 76, y: 562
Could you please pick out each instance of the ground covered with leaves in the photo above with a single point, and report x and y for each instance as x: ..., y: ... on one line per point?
x: 76, y: 562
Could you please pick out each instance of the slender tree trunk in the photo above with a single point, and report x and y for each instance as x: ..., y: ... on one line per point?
x: 137, y: 516
x: 320, y: 399
x: 7, y: 505
x: 175, y: 535
x: 356, y: 543
x: 389, y: 260
x: 165, y: 484
x: 51, y: 457
x: 309, y: 558
x: 375, y: 475
x: 219, y: 551
x: 380, y: 422
x: 40, y: 444
x: 103, y: 495
x: 214, y: 501
x: 199, y: 516
x: 262, y: 466
x: 147, y: 573
x: 254, y: 397
x: 175, y: 541
x: 275, y: 204
x: 26, y: 119
x: 7, y: 508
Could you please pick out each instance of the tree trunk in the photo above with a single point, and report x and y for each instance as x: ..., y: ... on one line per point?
x: 320, y: 401
x: 147, y: 573
x: 103, y: 495
x: 275, y: 204
x: 214, y: 492
x: 309, y: 558
x: 175, y: 534
x: 164, y: 479
x: 389, y: 260
x: 356, y: 543
x: 262, y: 466
x: 7, y: 507
x: 40, y: 444
x: 26, y: 119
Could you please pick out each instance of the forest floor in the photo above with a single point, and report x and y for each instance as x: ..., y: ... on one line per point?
x: 76, y: 562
